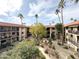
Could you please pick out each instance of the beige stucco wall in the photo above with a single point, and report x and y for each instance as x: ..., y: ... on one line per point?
x: 72, y: 46
x: 20, y: 31
x: 74, y: 38
x: 75, y: 29
x: 68, y: 36
x: 24, y: 34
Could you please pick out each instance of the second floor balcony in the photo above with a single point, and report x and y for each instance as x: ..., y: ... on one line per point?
x: 74, y: 43
x: 5, y: 31
x: 73, y: 31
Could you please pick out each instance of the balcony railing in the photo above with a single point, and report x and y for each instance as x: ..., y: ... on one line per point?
x: 74, y: 32
x: 73, y: 42
x: 1, y: 31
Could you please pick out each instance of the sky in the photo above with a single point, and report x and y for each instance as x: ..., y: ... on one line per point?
x: 9, y: 10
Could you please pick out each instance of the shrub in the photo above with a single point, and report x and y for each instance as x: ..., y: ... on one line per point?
x: 42, y: 45
x: 56, y: 54
x: 50, y: 46
x: 71, y: 57
x: 4, y: 56
x: 24, y: 50
x: 29, y: 52
x: 54, y: 48
x: 59, y: 43
x: 46, y: 51
x: 41, y: 56
x: 66, y: 47
x: 38, y: 31
x: 50, y: 41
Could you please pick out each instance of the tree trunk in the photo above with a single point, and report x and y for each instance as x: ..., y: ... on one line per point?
x: 36, y: 20
x: 59, y: 18
x: 37, y: 40
x: 62, y: 26
x: 21, y: 29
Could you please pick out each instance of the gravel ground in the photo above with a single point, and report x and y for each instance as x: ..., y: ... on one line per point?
x: 64, y: 53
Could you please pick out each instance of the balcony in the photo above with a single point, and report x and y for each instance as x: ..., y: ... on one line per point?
x: 2, y: 30
x: 74, y: 43
x: 5, y: 31
x: 73, y: 32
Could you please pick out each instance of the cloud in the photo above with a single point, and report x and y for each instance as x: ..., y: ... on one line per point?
x: 39, y: 7
x: 15, y: 20
x: 71, y: 11
x: 12, y: 19
x: 45, y: 9
x: 1, y: 20
x: 9, y: 6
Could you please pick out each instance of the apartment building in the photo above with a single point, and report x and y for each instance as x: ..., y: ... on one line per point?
x: 72, y: 35
x: 51, y: 32
x: 10, y: 33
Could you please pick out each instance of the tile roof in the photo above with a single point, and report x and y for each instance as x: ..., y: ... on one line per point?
x: 50, y: 26
x: 72, y: 23
x: 10, y: 24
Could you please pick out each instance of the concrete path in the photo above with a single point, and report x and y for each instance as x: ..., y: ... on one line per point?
x: 42, y: 51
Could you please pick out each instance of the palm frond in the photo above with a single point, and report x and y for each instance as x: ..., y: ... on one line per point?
x: 20, y: 15
x: 71, y: 19
x: 57, y: 11
x: 76, y: 1
x: 61, y: 4
x: 36, y: 15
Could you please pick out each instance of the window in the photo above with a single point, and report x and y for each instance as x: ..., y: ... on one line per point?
x: 53, y: 28
x: 71, y: 35
x: 17, y: 33
x: 22, y: 32
x: 17, y: 29
x: 3, y: 41
x: 66, y: 33
x: 78, y: 49
x: 13, y: 33
x: 78, y: 28
x: 66, y: 27
x: 78, y: 39
x: 71, y: 28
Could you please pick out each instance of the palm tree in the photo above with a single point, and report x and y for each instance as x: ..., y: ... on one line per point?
x: 73, y: 19
x: 61, y: 6
x: 57, y: 13
x: 36, y: 16
x: 58, y: 28
x: 21, y: 18
x: 76, y: 1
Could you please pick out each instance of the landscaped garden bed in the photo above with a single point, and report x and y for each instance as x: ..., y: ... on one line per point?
x: 23, y: 50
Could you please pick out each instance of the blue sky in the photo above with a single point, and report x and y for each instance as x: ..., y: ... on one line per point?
x: 9, y: 9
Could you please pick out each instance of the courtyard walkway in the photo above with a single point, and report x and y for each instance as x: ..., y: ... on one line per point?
x: 42, y: 51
